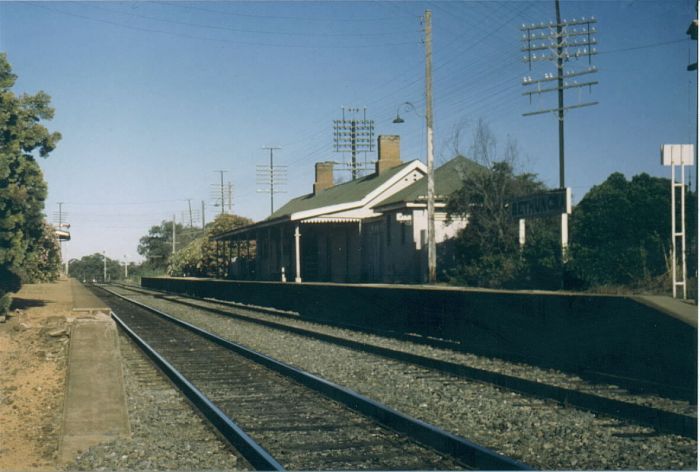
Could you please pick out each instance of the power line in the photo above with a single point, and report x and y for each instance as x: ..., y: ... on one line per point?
x: 644, y: 46
x: 248, y: 31
x: 282, y: 17
x: 220, y: 40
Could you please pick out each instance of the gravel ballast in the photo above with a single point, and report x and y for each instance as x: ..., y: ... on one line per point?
x: 166, y: 433
x: 539, y: 433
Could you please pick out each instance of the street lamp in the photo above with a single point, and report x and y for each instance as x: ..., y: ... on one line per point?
x: 432, y: 259
x: 407, y: 106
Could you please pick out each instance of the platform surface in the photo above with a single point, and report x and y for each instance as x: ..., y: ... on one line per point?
x: 84, y: 299
x: 95, y: 401
x: 679, y: 309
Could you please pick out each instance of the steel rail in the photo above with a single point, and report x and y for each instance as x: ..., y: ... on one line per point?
x: 661, y: 420
x: 254, y: 453
x: 468, y: 452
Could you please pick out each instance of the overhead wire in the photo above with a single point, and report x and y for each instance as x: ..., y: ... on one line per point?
x: 247, y: 31
x: 276, y: 17
x: 220, y: 40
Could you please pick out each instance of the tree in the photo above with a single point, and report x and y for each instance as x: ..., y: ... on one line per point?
x: 91, y: 268
x: 199, y: 258
x: 43, y: 259
x: 487, y: 250
x: 621, y: 231
x: 22, y: 187
x: 157, y: 245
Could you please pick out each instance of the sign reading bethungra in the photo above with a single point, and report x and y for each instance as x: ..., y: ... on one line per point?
x: 554, y: 202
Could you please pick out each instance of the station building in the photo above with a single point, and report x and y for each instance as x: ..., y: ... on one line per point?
x: 371, y: 229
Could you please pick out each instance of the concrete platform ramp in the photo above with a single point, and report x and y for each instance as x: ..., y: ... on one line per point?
x: 95, y: 400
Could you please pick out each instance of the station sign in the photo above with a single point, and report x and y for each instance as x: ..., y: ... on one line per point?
x: 62, y: 235
x: 404, y: 217
x: 554, y: 202
x: 677, y: 154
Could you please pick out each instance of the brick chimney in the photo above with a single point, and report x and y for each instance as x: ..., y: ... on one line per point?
x: 389, y: 152
x: 324, y: 176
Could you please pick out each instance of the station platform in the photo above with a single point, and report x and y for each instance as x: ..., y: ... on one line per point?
x: 95, y: 400
x: 680, y: 309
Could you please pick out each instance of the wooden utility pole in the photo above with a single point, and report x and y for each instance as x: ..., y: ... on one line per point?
x: 560, y: 93
x: 432, y: 260
x: 271, y: 176
x: 189, y: 206
x: 573, y: 39
x: 221, y: 172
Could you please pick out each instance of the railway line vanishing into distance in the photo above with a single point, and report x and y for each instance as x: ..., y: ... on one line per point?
x: 279, y: 417
x: 350, y: 448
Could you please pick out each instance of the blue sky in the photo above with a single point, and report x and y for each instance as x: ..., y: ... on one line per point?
x: 153, y: 97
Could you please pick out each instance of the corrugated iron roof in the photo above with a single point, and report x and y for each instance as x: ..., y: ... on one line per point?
x: 448, y: 179
x: 352, y: 191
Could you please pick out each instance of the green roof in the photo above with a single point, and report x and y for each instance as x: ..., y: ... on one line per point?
x: 448, y: 179
x: 352, y: 191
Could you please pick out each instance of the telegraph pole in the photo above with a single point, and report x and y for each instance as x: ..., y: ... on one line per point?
x: 229, y: 189
x: 174, y: 223
x: 203, y: 219
x: 221, y: 172
x: 189, y: 205
x: 354, y: 135
x: 271, y: 176
x: 560, y: 94
x: 432, y: 259
x: 218, y: 195
x: 562, y: 42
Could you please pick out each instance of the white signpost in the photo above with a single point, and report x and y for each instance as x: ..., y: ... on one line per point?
x: 554, y: 202
x: 675, y: 155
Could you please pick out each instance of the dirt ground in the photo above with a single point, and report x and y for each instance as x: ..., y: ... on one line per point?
x: 33, y: 350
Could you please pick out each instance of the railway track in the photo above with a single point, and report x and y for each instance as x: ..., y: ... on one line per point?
x: 279, y: 417
x: 660, y: 419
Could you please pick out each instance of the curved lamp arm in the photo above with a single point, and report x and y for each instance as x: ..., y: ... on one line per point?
x: 407, y: 106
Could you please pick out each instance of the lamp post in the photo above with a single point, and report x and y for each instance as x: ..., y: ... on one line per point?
x: 432, y: 259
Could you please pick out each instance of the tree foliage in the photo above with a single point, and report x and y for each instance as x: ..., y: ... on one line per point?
x: 487, y: 250
x: 157, y: 245
x: 43, y: 260
x: 199, y: 258
x: 92, y: 268
x: 621, y: 231
x: 22, y: 187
